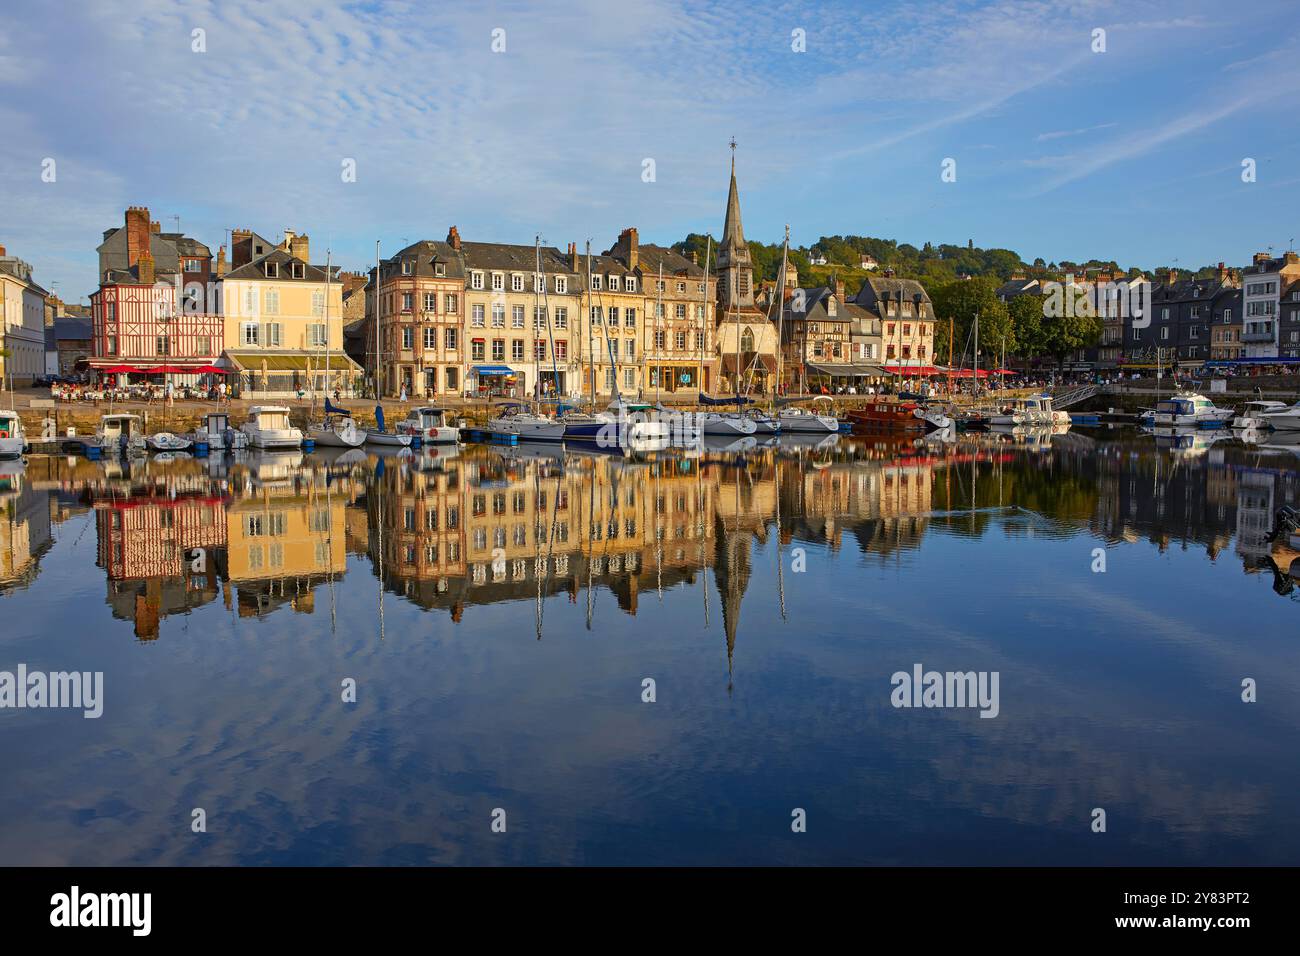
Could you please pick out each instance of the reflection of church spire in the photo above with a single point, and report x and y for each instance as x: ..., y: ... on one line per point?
x: 731, y: 571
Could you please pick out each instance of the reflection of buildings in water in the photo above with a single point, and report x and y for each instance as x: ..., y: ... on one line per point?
x: 24, y: 527
x: 485, y: 528
x: 146, y: 546
x: 281, y: 544
x: 1256, y: 508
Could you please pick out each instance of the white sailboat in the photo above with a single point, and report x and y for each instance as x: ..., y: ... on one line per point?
x: 337, y: 429
x: 808, y: 422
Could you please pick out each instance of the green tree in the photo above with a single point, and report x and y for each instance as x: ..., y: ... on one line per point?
x: 1026, y: 313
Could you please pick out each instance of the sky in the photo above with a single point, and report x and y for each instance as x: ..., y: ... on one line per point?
x: 1060, y: 149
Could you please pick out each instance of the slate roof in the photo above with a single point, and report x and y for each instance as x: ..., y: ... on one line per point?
x: 69, y: 329
x: 874, y: 290
x: 508, y: 257
x: 256, y: 270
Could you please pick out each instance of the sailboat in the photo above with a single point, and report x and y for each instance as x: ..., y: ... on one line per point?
x: 337, y: 429
x: 516, y: 418
x: 380, y: 435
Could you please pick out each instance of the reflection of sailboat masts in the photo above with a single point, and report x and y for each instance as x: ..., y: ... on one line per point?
x: 780, y: 564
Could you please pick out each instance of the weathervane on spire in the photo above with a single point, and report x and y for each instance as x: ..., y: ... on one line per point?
x: 733, y: 154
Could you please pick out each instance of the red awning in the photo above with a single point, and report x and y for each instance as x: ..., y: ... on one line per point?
x: 120, y: 370
x: 210, y: 370
x: 166, y: 370
x: 912, y: 371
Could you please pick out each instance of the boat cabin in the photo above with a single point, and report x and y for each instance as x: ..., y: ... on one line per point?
x: 112, y: 427
x: 10, y: 425
x: 270, y: 417
x: 216, y: 423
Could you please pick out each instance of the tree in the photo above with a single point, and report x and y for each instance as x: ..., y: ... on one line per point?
x: 1026, y: 312
x: 961, y: 300
x: 1070, y: 324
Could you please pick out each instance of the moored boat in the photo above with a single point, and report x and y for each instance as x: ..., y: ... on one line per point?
x: 1252, y: 414
x: 380, y: 435
x: 1283, y: 419
x: 120, y: 433
x: 1190, y: 409
x: 268, y: 426
x: 808, y: 422
x: 12, y: 440
x: 168, y: 442
x: 430, y: 425
x: 216, y: 433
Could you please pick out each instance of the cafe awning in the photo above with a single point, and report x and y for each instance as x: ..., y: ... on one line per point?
x: 838, y: 370
x: 290, y: 362
x: 482, y: 370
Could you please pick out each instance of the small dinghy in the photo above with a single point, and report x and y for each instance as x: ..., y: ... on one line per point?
x: 168, y: 441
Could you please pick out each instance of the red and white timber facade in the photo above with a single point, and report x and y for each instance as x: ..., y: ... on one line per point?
x: 140, y: 326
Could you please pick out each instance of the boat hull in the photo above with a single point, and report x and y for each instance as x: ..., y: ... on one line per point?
x: 388, y: 439
x: 727, y: 426
x: 274, y: 438
x: 12, y: 446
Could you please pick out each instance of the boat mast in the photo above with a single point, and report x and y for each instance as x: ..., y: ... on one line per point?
x: 537, y: 366
x: 327, y: 325
x: 704, y: 306
x: 977, y: 354
x: 780, y: 316
x: 379, y: 391
x: 659, y: 310
x: 591, y: 344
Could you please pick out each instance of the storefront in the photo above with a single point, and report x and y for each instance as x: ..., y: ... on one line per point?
x: 669, y: 378
x: 285, y: 374
x: 495, y: 381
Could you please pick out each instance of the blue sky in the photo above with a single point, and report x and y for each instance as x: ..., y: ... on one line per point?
x: 1133, y: 154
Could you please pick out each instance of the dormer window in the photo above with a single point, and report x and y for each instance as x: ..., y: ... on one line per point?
x: 517, y: 283
x: 408, y: 267
x: 272, y: 270
x: 297, y: 270
x: 595, y: 281
x: 498, y: 282
x: 629, y: 283
x: 476, y: 280
x: 613, y: 283
x: 562, y: 284
x: 440, y: 268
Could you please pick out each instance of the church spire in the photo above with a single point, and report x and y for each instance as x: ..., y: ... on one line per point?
x: 733, y: 235
x: 735, y: 270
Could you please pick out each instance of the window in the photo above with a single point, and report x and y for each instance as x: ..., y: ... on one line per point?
x: 453, y: 383
x: 561, y: 317
x: 1227, y: 315
x: 431, y: 338
x: 163, y: 345
x: 316, y: 335
x: 408, y: 338
x: 747, y: 340
x: 408, y: 301
x: 318, y: 303
x: 271, y: 270
x: 561, y: 284
x: 476, y: 280
x: 517, y: 350
x: 681, y: 342
x: 498, y: 315
x: 613, y: 315
x: 408, y: 267
x: 539, y: 349
x: 595, y: 315
x: 517, y: 282
x: 630, y: 348
x: 561, y: 350
x: 629, y: 318
x: 250, y: 336
x: 449, y: 337
x: 451, y: 303
x: 613, y: 283
x: 430, y: 302
x: 595, y: 281
x: 498, y: 282
x: 476, y: 350
x: 539, y: 317
x: 681, y: 310
x: 271, y: 302
x: 699, y: 341
x: 659, y: 341
x: 516, y: 316
x: 609, y: 378
x: 629, y: 378
x: 476, y: 316
x: 498, y: 350
x: 193, y: 265
x: 440, y: 268
x: 629, y: 283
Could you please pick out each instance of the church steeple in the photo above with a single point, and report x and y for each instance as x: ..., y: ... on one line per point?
x: 735, y: 269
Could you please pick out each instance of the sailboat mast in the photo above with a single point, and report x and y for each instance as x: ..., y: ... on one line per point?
x: 591, y: 343
x: 379, y: 389
x: 659, y: 311
x: 977, y: 354
x: 327, y: 324
x: 704, y: 305
x: 780, y: 315
x: 537, y: 292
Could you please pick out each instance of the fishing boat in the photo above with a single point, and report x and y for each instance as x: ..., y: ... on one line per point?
x: 1190, y: 408
x: 431, y: 425
x: 889, y: 416
x: 216, y: 433
x: 516, y: 419
x: 807, y: 421
x: 1252, y: 414
x: 120, y: 433
x: 12, y: 440
x: 168, y: 442
x: 1284, y: 419
x: 268, y: 426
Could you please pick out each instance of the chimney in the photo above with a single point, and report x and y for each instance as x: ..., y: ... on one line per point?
x: 2, y: 250
x: 695, y: 257
x: 1223, y: 272
x: 627, y: 247
x: 573, y: 257
x: 155, y: 228
x: 137, y: 234
x: 1261, y: 258
x: 1171, y: 276
x: 241, y: 247
x: 299, y: 247
x: 1290, y: 258
x: 453, y: 238
x: 221, y: 261
x: 146, y: 269
x: 839, y: 287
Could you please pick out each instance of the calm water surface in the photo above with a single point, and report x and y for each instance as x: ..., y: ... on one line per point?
x: 499, y: 613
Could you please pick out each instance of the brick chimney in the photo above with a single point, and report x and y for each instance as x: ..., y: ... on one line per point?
x: 2, y: 250
x: 695, y: 258
x: 1223, y: 272
x: 137, y: 234
x: 839, y: 287
x: 453, y: 238
x: 573, y: 257
x: 1171, y: 276
x: 1290, y: 258
x: 155, y: 228
x: 241, y: 247
x: 627, y: 247
x: 221, y: 261
x: 1261, y: 258
x: 146, y: 269
x: 299, y: 247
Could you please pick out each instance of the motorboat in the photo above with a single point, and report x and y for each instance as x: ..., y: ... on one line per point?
x: 168, y: 442
x: 1033, y: 410
x: 216, y: 433
x: 120, y: 433
x: 898, y: 416
x: 268, y: 426
x: 381, y: 436
x: 806, y: 421
x: 431, y: 425
x: 1284, y: 419
x: 517, y: 420
x: 1190, y: 409
x: 1252, y: 414
x: 12, y: 439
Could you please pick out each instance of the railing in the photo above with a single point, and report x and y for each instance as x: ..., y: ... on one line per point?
x: 1073, y: 396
